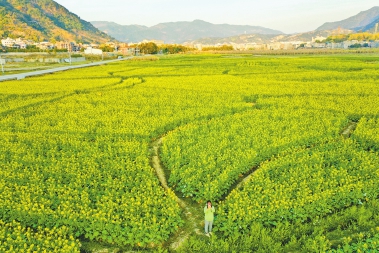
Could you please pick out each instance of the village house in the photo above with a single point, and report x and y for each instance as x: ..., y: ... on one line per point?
x: 8, y: 42
x: 95, y: 51
x: 280, y: 46
x: 297, y: 44
x: 333, y: 45
x: 21, y: 43
x: 70, y: 46
x: 45, y: 45
x: 18, y: 43
x: 124, y: 49
x: 318, y: 45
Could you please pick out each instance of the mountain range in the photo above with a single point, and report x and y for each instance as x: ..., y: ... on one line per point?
x: 370, y: 27
x: 269, y: 38
x: 363, y: 21
x: 46, y: 20
x: 178, y: 32
x: 41, y: 20
x: 199, y: 31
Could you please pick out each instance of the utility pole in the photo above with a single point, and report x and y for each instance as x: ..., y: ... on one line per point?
x: 376, y: 27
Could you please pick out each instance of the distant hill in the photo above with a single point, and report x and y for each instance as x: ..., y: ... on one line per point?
x: 177, y: 32
x: 244, y: 38
x: 360, y: 20
x: 368, y: 28
x: 364, y: 21
x: 41, y: 20
x: 307, y: 36
x: 269, y: 38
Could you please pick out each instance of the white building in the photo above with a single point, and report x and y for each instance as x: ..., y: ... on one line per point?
x: 280, y: 46
x: 333, y: 45
x: 319, y: 45
x: 8, y: 42
x: 20, y: 43
x: 90, y: 50
x: 297, y: 44
x: 45, y: 45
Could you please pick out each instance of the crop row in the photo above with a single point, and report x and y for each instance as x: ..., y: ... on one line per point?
x: 367, y: 245
x: 367, y: 133
x: 206, y: 159
x: 93, y: 187
x: 74, y: 152
x: 74, y: 146
x: 16, y: 238
x: 302, y: 185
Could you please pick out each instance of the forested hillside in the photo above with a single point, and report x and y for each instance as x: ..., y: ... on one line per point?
x: 45, y: 20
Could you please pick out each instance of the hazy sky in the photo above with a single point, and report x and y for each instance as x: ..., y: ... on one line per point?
x: 288, y: 16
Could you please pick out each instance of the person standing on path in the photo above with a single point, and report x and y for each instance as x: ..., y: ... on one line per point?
x: 209, y: 217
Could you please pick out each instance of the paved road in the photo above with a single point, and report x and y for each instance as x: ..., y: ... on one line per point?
x: 49, y: 71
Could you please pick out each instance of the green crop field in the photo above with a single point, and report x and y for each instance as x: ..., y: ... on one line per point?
x: 287, y: 148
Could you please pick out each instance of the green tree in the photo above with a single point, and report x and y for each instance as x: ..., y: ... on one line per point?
x: 174, y: 49
x: 149, y: 48
x: 338, y: 38
x: 106, y: 48
x: 221, y: 48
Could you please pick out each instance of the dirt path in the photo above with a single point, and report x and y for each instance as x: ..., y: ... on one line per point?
x: 193, y: 215
x: 192, y: 211
x: 349, y: 129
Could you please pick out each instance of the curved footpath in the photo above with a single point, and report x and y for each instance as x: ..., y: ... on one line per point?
x: 191, y: 210
x: 50, y: 71
x: 193, y: 216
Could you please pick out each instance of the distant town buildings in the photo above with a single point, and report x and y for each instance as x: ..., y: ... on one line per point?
x: 8, y: 42
x: 45, y: 45
x: 69, y: 46
x: 91, y: 50
x: 124, y: 48
x: 317, y: 42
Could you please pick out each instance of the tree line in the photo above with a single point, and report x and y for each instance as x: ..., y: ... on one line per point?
x: 364, y: 36
x: 152, y: 48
